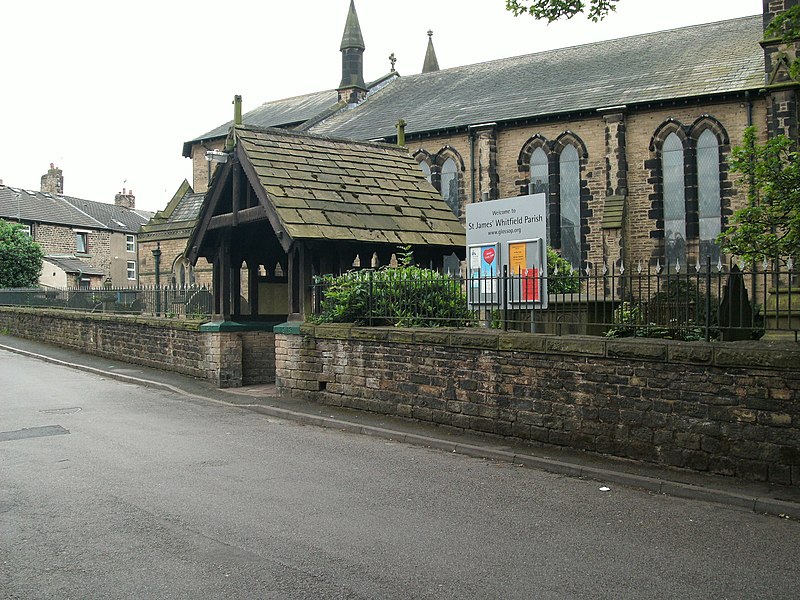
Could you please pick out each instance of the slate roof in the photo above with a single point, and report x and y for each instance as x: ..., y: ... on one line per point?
x: 114, y: 217
x: 708, y: 59
x: 71, y: 264
x: 332, y: 189
x: 189, y: 207
x: 39, y: 207
x: 276, y: 113
x: 43, y: 207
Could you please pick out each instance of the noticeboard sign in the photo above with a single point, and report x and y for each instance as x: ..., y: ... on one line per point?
x: 508, y: 234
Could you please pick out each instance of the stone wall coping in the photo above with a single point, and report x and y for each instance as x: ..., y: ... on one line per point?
x: 74, y: 315
x: 758, y: 354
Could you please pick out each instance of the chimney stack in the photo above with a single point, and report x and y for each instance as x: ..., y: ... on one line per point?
x: 125, y: 198
x: 53, y: 181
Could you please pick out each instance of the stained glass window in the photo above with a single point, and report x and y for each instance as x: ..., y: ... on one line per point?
x: 426, y: 170
x: 708, y: 195
x: 674, y: 200
x: 539, y: 171
x: 450, y: 185
x: 570, y: 201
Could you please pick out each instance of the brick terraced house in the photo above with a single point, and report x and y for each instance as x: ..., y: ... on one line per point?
x: 86, y: 243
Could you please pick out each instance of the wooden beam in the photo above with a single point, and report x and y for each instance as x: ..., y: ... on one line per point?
x: 248, y: 215
x: 236, y: 201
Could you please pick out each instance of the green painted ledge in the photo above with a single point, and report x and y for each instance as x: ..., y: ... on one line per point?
x: 215, y: 326
x: 288, y: 328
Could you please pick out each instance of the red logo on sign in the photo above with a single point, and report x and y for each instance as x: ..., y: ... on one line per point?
x: 488, y: 255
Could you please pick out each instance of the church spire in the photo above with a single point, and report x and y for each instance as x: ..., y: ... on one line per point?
x: 430, y: 64
x: 352, y: 87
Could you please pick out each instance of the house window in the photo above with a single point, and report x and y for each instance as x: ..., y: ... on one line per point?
x: 130, y: 243
x: 674, y: 200
x: 132, y: 269
x: 708, y: 194
x: 449, y: 183
x: 570, y: 204
x: 81, y: 246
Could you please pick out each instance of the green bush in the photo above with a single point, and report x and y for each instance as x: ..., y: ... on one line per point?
x: 561, y: 278
x: 402, y: 296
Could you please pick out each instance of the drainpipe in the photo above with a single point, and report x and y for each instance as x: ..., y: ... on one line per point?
x: 749, y: 102
x: 472, y: 163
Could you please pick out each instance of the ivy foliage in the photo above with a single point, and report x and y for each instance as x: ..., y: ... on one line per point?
x: 402, y: 296
x: 769, y: 226
x: 785, y: 28
x: 553, y: 10
x: 20, y: 257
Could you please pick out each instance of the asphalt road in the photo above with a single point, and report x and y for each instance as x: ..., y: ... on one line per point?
x: 109, y: 490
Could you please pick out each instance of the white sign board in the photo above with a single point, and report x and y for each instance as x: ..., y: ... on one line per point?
x: 508, y: 234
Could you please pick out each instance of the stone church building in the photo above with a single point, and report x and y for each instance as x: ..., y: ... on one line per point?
x: 631, y: 139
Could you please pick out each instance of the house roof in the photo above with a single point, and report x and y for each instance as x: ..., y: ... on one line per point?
x: 701, y: 60
x: 44, y: 207
x: 341, y: 190
x: 113, y: 216
x: 72, y: 264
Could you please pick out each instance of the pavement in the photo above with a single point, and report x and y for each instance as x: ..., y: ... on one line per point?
x: 782, y: 501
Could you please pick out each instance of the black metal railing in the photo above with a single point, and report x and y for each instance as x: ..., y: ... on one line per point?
x: 697, y: 302
x: 170, y: 301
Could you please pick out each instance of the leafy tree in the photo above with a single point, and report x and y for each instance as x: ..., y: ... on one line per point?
x: 769, y: 226
x: 20, y: 257
x: 552, y: 10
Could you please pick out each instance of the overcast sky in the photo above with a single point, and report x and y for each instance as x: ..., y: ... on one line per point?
x: 110, y: 90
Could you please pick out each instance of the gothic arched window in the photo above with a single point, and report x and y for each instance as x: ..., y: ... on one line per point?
x: 708, y: 194
x: 674, y: 199
x: 570, y: 204
x: 449, y: 185
x: 540, y: 175
x: 426, y: 170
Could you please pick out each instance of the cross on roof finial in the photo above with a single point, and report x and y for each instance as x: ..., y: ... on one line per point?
x: 392, y: 60
x: 430, y: 33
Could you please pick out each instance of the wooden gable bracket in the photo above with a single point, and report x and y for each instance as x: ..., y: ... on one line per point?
x: 206, y: 214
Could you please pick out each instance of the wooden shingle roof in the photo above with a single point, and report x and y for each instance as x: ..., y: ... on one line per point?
x: 331, y: 189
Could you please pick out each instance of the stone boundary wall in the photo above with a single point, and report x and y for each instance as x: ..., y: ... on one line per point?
x: 727, y: 408
x: 226, y: 358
